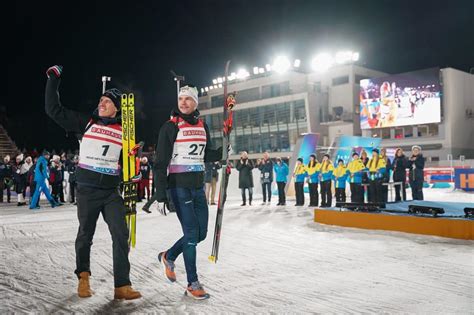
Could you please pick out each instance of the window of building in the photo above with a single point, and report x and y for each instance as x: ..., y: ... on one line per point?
x: 433, y: 130
x: 282, y: 111
x: 255, y: 143
x: 300, y: 111
x: 275, y: 90
x: 399, y: 134
x: 248, y: 95
x: 204, y: 105
x: 216, y: 121
x: 430, y: 130
x: 254, y: 117
x: 340, y: 80
x: 283, y: 141
x: 408, y: 131
x: 384, y: 133
x: 217, y: 101
x: 317, y: 87
x: 269, y: 116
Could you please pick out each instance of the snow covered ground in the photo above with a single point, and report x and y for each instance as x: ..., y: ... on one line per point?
x: 272, y: 260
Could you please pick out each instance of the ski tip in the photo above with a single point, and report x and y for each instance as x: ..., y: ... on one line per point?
x: 212, y: 259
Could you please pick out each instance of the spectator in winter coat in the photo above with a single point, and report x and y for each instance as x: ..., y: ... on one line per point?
x: 416, y: 164
x: 281, y: 172
x: 56, y: 178
x: 6, y: 180
x: 41, y: 175
x: 400, y: 164
x: 20, y: 180
x: 25, y: 171
x: 211, y: 176
x: 265, y: 166
x: 63, y: 164
x: 245, y: 166
x: 145, y: 179
x: 31, y: 178
x: 71, y: 169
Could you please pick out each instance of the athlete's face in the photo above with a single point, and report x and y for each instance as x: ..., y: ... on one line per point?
x: 106, y: 107
x: 186, y: 105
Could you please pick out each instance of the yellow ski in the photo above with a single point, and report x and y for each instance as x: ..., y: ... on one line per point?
x: 128, y: 167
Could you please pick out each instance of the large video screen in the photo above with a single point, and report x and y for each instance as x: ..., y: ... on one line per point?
x: 410, y: 98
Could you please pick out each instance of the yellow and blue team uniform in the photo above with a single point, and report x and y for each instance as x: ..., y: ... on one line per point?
x: 340, y: 176
x: 377, y: 169
x: 356, y: 170
x: 314, y: 172
x: 326, y: 177
x: 300, y: 176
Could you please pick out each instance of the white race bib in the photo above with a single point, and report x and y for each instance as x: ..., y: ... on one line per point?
x: 188, y: 149
x: 100, y: 149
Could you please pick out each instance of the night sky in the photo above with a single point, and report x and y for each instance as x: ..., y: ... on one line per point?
x: 137, y: 43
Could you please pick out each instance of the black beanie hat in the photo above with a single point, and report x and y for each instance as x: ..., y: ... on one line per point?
x: 300, y: 159
x: 327, y: 155
x: 115, y: 95
x: 355, y: 153
x: 313, y: 155
x: 340, y: 160
x: 376, y: 151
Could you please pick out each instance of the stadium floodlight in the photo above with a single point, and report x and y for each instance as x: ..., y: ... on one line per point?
x: 220, y: 85
x: 214, y: 81
x: 202, y: 90
x: 219, y: 80
x: 297, y: 63
x: 242, y: 74
x: 281, y: 64
x: 206, y: 89
x: 261, y: 70
x: 215, y: 86
x: 211, y: 87
x: 231, y: 76
x: 268, y: 67
x: 255, y: 70
x: 322, y: 62
x: 343, y: 57
x: 355, y: 56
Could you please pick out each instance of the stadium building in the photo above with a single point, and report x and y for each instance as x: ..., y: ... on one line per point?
x: 275, y: 108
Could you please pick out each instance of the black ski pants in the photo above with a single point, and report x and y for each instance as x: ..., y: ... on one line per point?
x: 281, y: 193
x: 90, y: 203
x: 326, y: 193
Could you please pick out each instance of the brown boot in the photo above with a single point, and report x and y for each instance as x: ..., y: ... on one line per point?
x: 126, y: 292
x: 84, y: 289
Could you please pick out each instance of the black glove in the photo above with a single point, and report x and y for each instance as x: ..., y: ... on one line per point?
x: 54, y: 71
